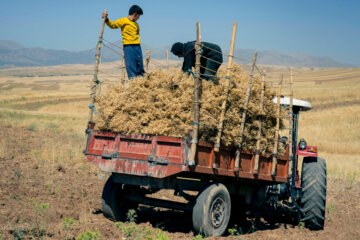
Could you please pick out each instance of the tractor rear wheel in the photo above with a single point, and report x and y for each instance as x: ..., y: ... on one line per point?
x: 114, y: 203
x: 212, y: 209
x: 313, y: 201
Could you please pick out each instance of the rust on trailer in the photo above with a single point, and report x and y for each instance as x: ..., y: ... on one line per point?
x: 162, y: 156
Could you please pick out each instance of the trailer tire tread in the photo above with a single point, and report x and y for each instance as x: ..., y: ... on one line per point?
x: 201, y: 215
x: 114, y: 206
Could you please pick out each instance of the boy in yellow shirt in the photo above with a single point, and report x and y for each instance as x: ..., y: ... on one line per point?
x: 131, y: 40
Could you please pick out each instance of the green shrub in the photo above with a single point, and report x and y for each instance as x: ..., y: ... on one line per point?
x: 130, y: 231
x: 41, y: 216
x: 235, y: 231
x: 160, y: 235
x: 131, y: 216
x: 301, y: 225
x: 198, y: 237
x: 18, y: 234
x: 31, y: 127
x: 134, y: 232
x: 88, y: 235
x: 67, y: 222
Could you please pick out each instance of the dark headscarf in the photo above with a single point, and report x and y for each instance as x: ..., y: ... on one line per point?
x: 177, y: 48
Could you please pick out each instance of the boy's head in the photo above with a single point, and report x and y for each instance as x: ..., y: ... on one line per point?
x: 135, y: 11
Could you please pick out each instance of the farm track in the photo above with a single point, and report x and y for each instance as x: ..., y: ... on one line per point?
x: 336, y: 105
x: 35, y: 105
x: 42, y: 113
x: 72, y: 188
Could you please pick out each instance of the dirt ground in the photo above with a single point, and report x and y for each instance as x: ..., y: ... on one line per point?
x: 52, y: 199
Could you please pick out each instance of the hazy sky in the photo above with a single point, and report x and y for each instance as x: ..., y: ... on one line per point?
x: 317, y: 27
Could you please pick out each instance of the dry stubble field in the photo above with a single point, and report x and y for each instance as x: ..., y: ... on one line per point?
x: 48, y: 190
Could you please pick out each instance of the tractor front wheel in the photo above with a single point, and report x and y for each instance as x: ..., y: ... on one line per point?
x: 313, y: 201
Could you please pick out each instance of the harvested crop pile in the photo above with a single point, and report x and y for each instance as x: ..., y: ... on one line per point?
x: 162, y: 104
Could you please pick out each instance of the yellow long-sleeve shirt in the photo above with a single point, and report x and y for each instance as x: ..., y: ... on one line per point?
x: 130, y: 30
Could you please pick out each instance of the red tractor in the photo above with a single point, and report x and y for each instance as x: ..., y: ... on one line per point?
x: 143, y: 164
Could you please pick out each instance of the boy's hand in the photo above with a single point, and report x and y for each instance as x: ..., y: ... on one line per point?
x: 105, y: 14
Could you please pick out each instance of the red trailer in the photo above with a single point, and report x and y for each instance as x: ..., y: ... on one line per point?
x: 143, y: 164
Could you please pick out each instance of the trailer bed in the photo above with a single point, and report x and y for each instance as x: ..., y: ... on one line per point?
x: 163, y: 156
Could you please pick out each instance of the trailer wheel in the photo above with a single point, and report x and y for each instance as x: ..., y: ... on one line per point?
x: 313, y: 201
x: 114, y: 204
x: 211, y: 212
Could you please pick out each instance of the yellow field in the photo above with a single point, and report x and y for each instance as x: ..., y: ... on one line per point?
x: 333, y: 124
x: 56, y: 99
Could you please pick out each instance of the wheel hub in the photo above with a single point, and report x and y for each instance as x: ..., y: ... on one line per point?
x: 217, y: 212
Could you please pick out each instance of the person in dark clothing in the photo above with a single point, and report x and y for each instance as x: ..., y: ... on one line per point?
x: 210, y: 61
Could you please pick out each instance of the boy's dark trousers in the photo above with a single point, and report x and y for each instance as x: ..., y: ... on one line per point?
x: 133, y: 60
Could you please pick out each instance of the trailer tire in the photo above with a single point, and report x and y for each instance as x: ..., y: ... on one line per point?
x: 114, y: 205
x: 211, y: 212
x: 313, y: 200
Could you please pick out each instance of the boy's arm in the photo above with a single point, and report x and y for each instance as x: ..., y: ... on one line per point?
x: 116, y: 24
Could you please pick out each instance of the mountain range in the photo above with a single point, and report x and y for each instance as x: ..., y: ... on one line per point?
x: 13, y: 54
